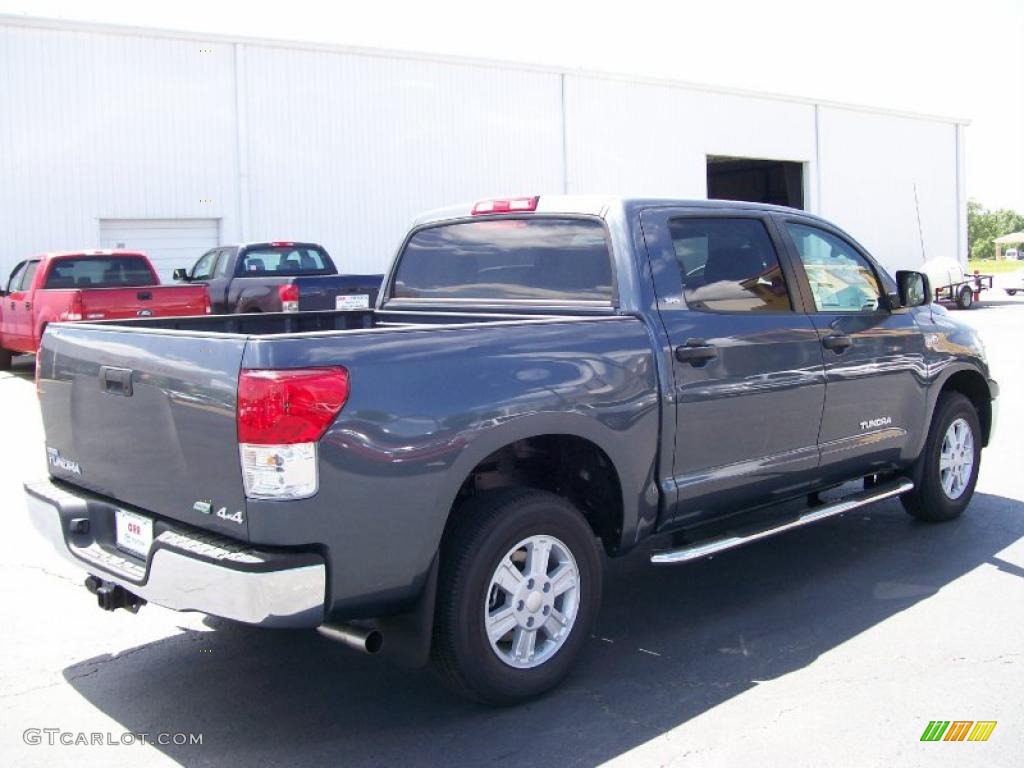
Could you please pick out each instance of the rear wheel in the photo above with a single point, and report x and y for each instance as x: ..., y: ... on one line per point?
x: 1011, y: 291
x: 947, y: 470
x: 965, y: 298
x: 5, y: 359
x: 519, y: 588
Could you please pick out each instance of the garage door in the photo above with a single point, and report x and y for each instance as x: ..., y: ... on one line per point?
x: 169, y: 243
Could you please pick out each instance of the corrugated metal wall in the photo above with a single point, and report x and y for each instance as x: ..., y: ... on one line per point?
x: 109, y: 126
x: 345, y: 148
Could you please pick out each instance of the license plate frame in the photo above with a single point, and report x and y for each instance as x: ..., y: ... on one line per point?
x: 133, y: 533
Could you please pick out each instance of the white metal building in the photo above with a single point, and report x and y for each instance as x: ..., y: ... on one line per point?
x: 174, y: 142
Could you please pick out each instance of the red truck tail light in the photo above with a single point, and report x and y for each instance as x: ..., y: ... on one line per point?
x: 207, y: 304
x: 289, y: 406
x: 289, y: 297
x: 281, y: 416
x: 507, y: 205
x: 77, y: 309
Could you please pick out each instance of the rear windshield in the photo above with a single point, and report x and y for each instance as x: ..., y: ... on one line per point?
x: 283, y: 260
x: 533, y: 259
x: 100, y: 272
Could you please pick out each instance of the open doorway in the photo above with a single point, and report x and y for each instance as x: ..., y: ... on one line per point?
x: 778, y: 182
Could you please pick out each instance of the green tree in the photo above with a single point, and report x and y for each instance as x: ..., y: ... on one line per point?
x: 984, y: 226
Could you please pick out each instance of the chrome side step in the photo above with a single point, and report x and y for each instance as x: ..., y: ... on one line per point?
x: 703, y: 549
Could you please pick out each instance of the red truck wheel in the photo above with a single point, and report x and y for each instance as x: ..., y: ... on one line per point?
x: 5, y: 359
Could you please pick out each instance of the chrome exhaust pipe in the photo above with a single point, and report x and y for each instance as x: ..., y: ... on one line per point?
x: 368, y: 641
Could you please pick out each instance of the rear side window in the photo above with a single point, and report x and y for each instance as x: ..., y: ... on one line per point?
x: 538, y: 259
x: 728, y: 265
x: 28, y: 275
x: 283, y: 260
x: 100, y: 272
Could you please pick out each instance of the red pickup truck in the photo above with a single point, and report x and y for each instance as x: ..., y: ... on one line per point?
x: 85, y: 285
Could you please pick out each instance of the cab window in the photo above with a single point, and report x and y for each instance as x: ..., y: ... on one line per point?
x: 203, y: 269
x: 15, y: 279
x: 841, y: 279
x: 728, y: 265
x: 28, y: 276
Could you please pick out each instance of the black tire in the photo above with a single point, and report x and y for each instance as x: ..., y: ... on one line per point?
x: 1011, y: 291
x: 5, y: 359
x: 929, y: 500
x: 487, y: 527
x: 965, y: 297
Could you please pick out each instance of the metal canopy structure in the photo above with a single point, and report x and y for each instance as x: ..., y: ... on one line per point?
x: 1014, y: 238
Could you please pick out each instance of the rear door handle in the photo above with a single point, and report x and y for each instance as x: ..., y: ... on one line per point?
x: 838, y: 342
x: 696, y: 352
x: 28, y: 305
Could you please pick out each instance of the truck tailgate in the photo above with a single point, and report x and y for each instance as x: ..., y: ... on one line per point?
x: 144, y: 301
x: 146, y: 418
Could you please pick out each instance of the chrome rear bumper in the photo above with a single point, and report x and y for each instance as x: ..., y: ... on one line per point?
x: 187, y: 569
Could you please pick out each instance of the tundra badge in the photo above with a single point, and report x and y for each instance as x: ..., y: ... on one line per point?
x: 53, y: 456
x: 882, y: 421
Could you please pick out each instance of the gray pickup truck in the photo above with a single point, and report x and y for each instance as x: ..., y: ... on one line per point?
x: 541, y: 379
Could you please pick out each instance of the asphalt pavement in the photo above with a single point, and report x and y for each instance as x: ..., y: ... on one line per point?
x: 832, y: 645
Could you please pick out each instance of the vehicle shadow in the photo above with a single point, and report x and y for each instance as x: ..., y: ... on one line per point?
x: 671, y: 643
x: 22, y: 367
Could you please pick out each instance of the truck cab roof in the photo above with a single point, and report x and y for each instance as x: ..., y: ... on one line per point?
x: 599, y: 205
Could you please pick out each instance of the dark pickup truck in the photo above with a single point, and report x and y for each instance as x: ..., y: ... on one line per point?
x: 278, y: 277
x: 542, y: 378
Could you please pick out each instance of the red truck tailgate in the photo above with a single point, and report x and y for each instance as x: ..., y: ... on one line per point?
x: 144, y: 301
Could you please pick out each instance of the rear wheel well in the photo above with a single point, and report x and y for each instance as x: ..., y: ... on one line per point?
x: 974, y: 387
x: 566, y: 465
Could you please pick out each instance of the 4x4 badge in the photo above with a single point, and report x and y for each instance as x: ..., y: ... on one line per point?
x: 234, y: 517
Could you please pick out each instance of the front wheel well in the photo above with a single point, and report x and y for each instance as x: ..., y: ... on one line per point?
x: 569, y: 466
x: 973, y: 386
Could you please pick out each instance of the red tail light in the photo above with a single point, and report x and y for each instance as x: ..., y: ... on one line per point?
x: 282, y: 243
x: 77, y: 309
x: 508, y: 205
x: 289, y: 406
x: 289, y: 295
x: 207, y: 306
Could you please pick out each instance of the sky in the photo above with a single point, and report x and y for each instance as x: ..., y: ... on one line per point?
x: 961, y: 59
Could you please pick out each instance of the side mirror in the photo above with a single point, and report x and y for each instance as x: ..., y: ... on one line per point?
x: 914, y: 288
x: 181, y: 274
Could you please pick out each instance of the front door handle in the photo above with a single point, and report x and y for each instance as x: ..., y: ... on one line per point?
x: 28, y: 305
x: 838, y: 342
x: 696, y: 352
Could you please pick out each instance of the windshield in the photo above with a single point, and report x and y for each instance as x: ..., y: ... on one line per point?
x: 284, y: 260
x: 100, y: 272
x: 539, y: 259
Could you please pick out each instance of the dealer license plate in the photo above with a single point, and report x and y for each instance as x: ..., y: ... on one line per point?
x: 134, y: 533
x: 352, y: 301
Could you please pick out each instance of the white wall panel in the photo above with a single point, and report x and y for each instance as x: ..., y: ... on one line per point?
x: 278, y: 141
x: 110, y: 126
x: 870, y: 165
x: 647, y: 139
x: 347, y: 149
